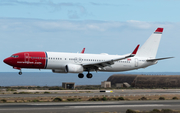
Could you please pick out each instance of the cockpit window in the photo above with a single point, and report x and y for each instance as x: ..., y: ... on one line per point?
x: 15, y: 56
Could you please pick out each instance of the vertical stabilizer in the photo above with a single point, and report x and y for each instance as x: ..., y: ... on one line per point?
x: 150, y: 47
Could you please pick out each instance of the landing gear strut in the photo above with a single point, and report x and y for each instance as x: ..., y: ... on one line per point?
x: 81, y: 75
x: 89, y: 75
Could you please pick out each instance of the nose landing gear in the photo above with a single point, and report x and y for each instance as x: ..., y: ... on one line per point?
x: 20, y: 73
x: 18, y: 68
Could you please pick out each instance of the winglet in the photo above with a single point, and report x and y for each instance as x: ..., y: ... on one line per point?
x: 135, y: 50
x: 159, y: 30
x: 83, y: 50
x: 133, y: 53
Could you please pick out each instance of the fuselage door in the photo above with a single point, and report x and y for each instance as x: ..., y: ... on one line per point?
x: 136, y: 62
x: 26, y: 56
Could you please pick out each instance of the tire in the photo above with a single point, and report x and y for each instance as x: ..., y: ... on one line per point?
x: 20, y: 73
x: 80, y: 75
x: 89, y: 75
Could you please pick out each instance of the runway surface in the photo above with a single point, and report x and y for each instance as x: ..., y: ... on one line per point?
x: 84, y: 107
x: 55, y: 93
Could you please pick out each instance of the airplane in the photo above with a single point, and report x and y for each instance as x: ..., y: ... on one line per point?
x: 60, y: 62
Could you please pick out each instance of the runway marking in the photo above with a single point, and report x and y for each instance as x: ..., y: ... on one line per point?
x: 38, y: 104
x: 79, y: 107
x: 9, y: 109
x: 109, y: 106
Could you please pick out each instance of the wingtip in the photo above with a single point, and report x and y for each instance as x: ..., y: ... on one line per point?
x: 83, y: 50
x: 135, y: 50
x: 160, y: 30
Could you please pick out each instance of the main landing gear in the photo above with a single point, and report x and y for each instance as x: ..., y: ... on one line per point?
x: 81, y: 75
x: 89, y: 75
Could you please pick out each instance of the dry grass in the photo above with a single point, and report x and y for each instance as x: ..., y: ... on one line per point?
x: 87, y: 98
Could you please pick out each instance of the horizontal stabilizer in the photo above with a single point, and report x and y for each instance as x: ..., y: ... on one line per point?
x: 151, y: 60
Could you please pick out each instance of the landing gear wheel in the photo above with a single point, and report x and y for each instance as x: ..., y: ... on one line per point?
x: 89, y: 75
x: 20, y: 73
x: 81, y: 75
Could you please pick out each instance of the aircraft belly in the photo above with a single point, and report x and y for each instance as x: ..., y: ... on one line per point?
x: 146, y: 64
x: 55, y: 65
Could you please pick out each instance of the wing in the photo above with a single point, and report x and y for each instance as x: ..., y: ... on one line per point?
x: 100, y: 65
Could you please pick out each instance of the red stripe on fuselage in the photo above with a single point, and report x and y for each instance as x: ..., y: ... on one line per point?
x: 35, y: 60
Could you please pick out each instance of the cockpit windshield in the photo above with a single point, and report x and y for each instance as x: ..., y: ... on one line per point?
x: 14, y: 56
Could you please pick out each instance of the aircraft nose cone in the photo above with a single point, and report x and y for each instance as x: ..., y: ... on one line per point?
x: 7, y: 61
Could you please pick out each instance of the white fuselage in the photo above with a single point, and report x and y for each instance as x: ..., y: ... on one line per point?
x: 58, y: 60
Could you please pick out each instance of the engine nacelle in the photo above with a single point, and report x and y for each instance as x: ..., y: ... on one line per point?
x: 73, y: 68
x: 59, y: 71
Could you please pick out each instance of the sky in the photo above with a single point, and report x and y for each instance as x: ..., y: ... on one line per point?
x: 101, y: 26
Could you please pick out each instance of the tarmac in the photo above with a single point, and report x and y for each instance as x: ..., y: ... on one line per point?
x: 86, y: 107
x: 90, y: 106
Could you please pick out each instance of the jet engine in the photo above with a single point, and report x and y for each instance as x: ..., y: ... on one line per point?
x: 73, y: 68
